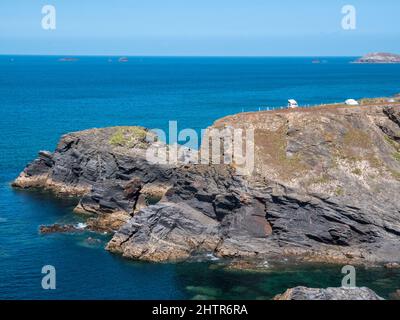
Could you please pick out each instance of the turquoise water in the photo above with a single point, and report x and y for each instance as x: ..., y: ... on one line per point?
x: 42, y: 98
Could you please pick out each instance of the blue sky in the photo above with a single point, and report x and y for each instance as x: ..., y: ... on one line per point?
x: 202, y: 27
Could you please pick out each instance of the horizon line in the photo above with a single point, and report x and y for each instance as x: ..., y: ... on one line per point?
x: 179, y: 56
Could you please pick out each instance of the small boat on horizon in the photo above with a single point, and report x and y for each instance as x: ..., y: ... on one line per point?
x: 123, y: 59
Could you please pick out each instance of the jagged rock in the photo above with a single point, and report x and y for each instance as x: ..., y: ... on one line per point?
x: 324, y: 188
x: 393, y: 114
x: 392, y: 265
x: 303, y: 293
x: 166, y: 231
x: 58, y: 228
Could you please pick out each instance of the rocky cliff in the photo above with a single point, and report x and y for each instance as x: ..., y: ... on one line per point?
x: 325, y: 188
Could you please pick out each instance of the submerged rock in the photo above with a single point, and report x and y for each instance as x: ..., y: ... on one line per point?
x: 324, y: 188
x: 92, y: 241
x: 203, y: 297
x: 205, y: 291
x: 395, y: 295
x: 58, y: 228
x: 303, y: 293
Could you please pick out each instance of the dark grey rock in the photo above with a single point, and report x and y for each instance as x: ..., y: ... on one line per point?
x: 311, y: 204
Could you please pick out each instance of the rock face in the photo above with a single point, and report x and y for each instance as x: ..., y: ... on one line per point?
x: 303, y: 293
x: 395, y: 295
x: 325, y: 188
x: 379, y: 57
x: 96, y: 165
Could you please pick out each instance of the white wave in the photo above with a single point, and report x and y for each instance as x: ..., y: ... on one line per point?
x: 211, y: 257
x: 81, y: 225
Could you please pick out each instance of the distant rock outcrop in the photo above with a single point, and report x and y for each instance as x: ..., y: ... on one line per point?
x: 379, y: 57
x: 325, y: 188
x: 303, y: 293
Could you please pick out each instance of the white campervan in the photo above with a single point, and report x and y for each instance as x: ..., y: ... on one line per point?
x: 292, y: 104
x: 351, y: 102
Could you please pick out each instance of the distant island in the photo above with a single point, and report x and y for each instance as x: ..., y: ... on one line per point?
x: 379, y: 57
x: 68, y: 59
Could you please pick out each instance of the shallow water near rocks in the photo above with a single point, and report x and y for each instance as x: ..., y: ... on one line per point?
x: 86, y: 271
x: 42, y: 98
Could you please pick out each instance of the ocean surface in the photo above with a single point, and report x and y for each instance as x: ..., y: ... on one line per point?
x: 42, y: 98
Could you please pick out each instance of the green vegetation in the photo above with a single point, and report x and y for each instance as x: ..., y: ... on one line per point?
x: 139, y: 132
x: 129, y: 137
x: 339, y: 191
x: 152, y: 199
x: 396, y: 146
x: 324, y: 179
x: 395, y: 174
x: 393, y: 143
x: 357, y: 171
x: 118, y: 138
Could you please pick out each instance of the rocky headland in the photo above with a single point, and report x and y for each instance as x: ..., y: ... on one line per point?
x: 379, y: 57
x: 325, y: 188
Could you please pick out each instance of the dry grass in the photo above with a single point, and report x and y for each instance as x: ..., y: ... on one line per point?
x: 357, y: 146
x: 355, y: 138
x: 272, y: 147
x: 369, y: 101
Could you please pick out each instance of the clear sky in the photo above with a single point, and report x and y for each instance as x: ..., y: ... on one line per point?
x: 201, y: 27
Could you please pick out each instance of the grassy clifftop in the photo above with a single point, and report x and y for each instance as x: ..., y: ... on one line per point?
x: 337, y: 150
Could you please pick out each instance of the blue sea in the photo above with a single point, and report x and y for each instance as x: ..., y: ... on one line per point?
x: 42, y: 98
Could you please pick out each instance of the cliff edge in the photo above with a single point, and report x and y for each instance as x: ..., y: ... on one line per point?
x: 325, y: 188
